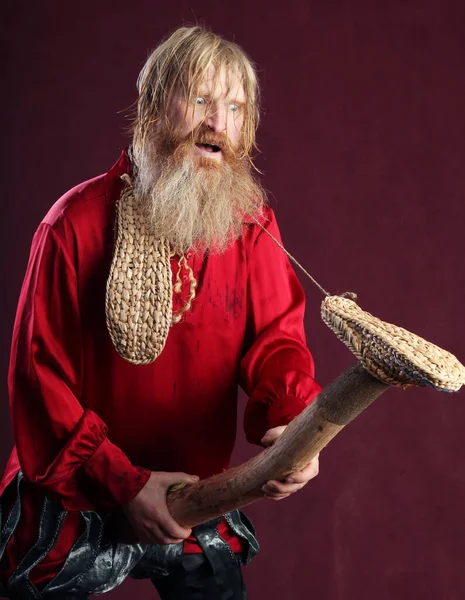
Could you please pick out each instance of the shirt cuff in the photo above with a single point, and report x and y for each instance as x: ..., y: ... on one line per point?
x: 263, y: 414
x: 284, y: 409
x: 114, y: 480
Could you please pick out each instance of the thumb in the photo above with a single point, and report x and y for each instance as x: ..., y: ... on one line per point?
x: 272, y: 435
x: 176, y: 478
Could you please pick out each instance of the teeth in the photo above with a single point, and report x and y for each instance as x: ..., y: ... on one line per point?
x: 210, y: 147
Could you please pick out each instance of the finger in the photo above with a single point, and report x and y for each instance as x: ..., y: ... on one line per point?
x: 159, y: 536
x: 276, y: 496
x: 307, y: 473
x: 170, y: 479
x: 169, y: 527
x: 160, y: 539
x: 272, y: 435
x: 171, y: 535
x: 279, y: 487
x: 150, y: 532
x: 172, y: 529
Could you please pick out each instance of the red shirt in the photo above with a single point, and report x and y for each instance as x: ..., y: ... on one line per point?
x: 88, y: 425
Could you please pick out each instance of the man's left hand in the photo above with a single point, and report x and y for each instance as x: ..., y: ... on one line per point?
x: 277, y: 490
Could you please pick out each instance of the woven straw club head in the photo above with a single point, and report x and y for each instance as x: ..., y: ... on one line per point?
x: 390, y: 353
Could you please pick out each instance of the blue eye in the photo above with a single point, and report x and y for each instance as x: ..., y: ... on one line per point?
x: 200, y: 101
x: 233, y: 107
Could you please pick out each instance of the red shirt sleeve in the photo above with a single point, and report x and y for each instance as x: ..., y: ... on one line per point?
x: 62, y: 446
x: 277, y: 371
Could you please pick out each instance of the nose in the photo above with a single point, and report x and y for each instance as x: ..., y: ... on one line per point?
x: 216, y: 120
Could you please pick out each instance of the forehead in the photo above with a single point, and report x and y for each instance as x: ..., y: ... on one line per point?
x: 222, y: 83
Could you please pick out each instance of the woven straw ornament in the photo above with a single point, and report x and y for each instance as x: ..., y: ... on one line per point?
x: 390, y: 353
x: 139, y: 288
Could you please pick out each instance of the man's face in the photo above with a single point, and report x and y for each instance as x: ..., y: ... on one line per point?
x: 193, y: 181
x: 217, y: 113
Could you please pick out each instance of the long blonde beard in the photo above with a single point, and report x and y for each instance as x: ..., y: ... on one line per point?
x: 200, y: 206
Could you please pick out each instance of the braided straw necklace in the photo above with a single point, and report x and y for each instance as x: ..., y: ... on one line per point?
x: 139, y: 292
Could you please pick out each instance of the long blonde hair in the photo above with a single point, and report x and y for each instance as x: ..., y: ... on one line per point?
x: 182, y: 61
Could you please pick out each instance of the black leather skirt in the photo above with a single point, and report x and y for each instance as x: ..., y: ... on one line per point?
x: 97, y: 564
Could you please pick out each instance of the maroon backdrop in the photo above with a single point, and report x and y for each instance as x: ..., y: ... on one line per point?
x: 363, y: 140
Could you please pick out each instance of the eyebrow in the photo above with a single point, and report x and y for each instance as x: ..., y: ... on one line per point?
x: 239, y: 99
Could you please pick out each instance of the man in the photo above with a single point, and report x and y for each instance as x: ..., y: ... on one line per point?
x: 151, y: 293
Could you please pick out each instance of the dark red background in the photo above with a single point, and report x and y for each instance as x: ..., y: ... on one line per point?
x: 363, y: 140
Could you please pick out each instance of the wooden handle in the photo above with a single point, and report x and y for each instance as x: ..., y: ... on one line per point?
x: 339, y: 403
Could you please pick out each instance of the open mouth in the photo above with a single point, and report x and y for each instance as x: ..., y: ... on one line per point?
x: 209, y: 147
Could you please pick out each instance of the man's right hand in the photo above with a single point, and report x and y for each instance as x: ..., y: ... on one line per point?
x: 148, y: 514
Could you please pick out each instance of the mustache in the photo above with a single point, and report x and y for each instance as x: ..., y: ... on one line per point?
x: 209, y: 137
x: 203, y: 135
